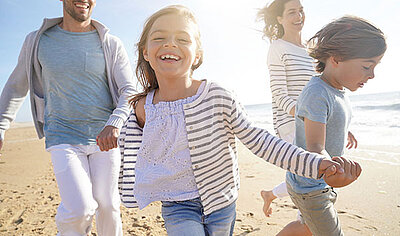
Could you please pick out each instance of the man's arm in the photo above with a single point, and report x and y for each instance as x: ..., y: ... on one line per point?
x: 123, y: 78
x: 15, y: 90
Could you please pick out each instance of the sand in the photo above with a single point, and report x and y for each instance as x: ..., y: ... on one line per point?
x: 29, y: 195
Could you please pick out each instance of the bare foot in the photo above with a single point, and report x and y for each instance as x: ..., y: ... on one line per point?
x: 268, y: 197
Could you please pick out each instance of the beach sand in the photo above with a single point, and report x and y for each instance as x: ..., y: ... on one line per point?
x: 29, y: 195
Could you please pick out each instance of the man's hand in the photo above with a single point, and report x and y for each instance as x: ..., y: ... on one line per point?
x: 107, y: 139
x: 351, y: 171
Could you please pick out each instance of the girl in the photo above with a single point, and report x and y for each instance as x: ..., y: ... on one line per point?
x: 290, y: 68
x: 347, y: 51
x: 178, y: 145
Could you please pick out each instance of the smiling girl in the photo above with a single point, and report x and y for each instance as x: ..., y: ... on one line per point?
x: 179, y: 143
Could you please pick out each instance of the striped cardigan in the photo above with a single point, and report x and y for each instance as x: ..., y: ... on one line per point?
x: 213, y: 121
x: 290, y: 69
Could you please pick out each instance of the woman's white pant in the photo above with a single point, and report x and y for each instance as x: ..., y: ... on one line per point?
x: 87, y: 180
x: 280, y: 190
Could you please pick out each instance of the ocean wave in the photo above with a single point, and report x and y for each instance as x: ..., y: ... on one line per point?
x: 391, y: 107
x: 374, y: 160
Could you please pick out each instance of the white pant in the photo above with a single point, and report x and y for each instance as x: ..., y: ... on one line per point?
x: 286, y: 134
x: 280, y: 190
x: 88, y: 183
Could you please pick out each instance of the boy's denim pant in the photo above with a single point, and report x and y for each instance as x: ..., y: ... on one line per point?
x: 87, y: 181
x: 186, y: 218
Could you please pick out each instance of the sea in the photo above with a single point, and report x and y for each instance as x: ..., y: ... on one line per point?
x: 375, y: 124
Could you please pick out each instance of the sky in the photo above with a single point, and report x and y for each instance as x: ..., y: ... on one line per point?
x: 234, y: 50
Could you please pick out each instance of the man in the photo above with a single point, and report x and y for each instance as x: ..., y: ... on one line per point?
x: 80, y: 79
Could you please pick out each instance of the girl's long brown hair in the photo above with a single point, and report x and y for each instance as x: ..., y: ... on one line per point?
x: 347, y: 38
x: 145, y: 74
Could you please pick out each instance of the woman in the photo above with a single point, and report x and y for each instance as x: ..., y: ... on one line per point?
x: 290, y: 69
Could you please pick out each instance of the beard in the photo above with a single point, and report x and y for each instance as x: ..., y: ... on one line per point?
x: 69, y: 8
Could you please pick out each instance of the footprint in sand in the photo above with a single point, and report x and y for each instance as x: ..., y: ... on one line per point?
x: 358, y: 230
x: 286, y: 206
x: 350, y: 215
x: 246, y: 228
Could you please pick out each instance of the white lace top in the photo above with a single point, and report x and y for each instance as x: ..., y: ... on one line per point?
x: 163, y: 169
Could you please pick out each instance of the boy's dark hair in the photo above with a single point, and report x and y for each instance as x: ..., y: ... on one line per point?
x: 344, y: 39
x: 272, y: 29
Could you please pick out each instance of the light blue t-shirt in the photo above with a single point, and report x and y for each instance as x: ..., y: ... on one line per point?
x: 77, y: 98
x: 322, y: 103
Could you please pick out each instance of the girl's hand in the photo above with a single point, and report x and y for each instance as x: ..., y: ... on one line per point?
x: 351, y: 141
x: 351, y: 171
x: 329, y: 168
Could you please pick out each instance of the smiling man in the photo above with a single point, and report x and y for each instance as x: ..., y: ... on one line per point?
x: 80, y: 79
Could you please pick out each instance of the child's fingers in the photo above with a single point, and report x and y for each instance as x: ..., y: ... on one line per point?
x: 350, y: 145
x: 358, y: 169
x: 331, y: 170
x: 353, y: 169
x: 339, y: 160
x: 346, y: 165
x: 329, y: 167
x: 352, y: 141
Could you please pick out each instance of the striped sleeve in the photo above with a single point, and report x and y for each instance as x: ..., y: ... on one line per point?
x: 121, y: 138
x: 278, y: 80
x: 273, y: 149
x: 129, y: 143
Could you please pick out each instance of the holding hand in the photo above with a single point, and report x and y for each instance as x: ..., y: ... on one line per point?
x: 339, y: 171
x: 107, y: 139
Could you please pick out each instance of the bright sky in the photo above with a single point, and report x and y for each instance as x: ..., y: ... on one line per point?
x: 234, y: 51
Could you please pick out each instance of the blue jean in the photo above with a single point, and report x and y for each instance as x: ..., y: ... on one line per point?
x: 186, y: 218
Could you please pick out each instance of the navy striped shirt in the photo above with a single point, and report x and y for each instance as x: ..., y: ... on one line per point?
x: 290, y: 69
x: 213, y: 122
